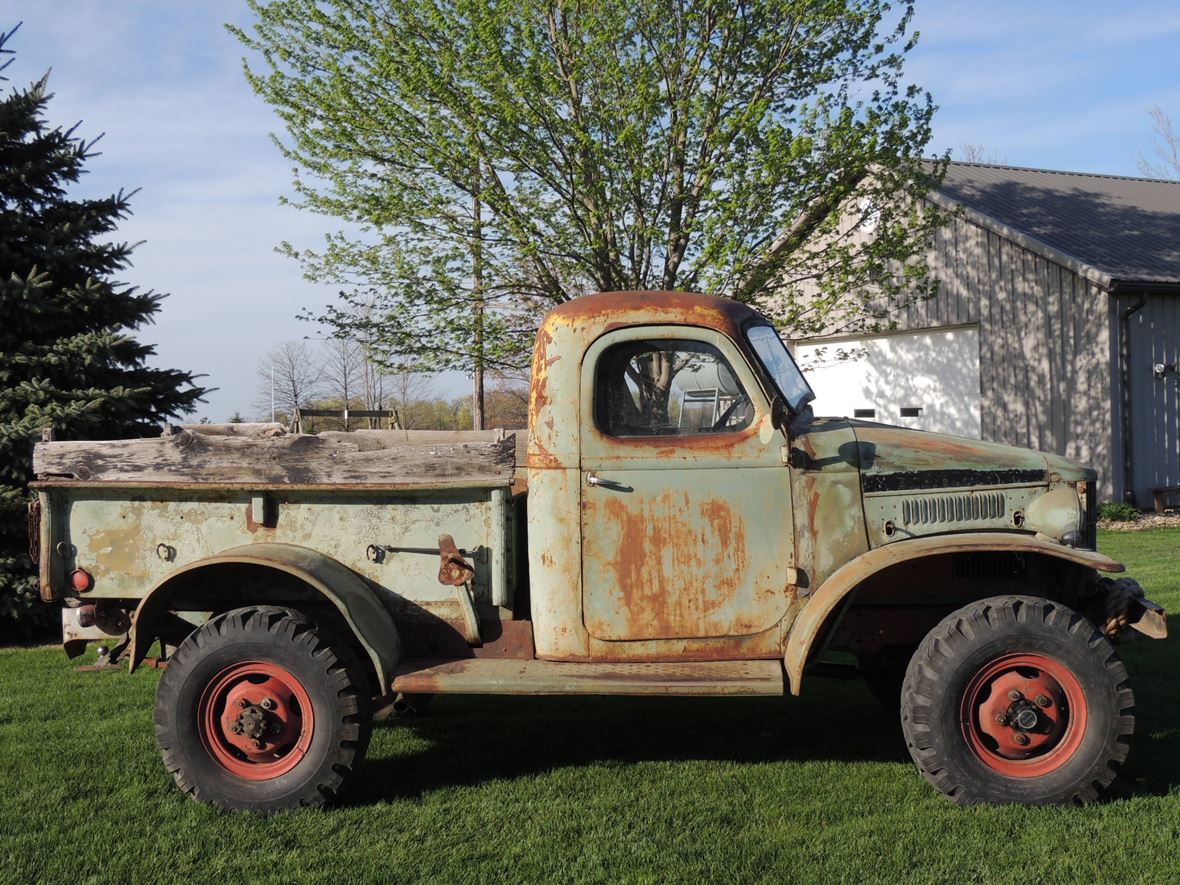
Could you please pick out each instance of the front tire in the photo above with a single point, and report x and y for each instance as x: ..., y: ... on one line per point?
x: 1016, y: 699
x: 259, y: 710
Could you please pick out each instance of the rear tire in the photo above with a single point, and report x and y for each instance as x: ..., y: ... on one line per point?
x: 259, y: 710
x: 1016, y: 699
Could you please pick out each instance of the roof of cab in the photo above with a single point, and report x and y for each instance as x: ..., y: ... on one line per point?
x: 568, y: 331
x: 612, y: 309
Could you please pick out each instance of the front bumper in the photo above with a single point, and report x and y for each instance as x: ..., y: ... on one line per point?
x: 1120, y: 605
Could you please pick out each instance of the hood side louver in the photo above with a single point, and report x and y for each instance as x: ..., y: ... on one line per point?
x: 933, y: 509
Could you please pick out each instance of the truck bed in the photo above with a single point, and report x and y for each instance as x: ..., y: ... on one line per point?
x: 131, y: 512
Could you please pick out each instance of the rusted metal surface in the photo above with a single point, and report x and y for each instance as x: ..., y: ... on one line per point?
x: 370, y: 622
x: 256, y: 720
x: 845, y: 579
x: 1023, y: 715
x: 829, y: 518
x: 765, y: 645
x: 919, y: 484
x: 555, y: 564
x: 1124, y: 606
x: 117, y: 534
x: 34, y: 530
x: 549, y: 678
x: 95, y: 622
x: 697, y: 564
x: 897, y: 459
x: 49, y: 565
x: 438, y: 638
x: 453, y: 569
x: 684, y: 537
x: 568, y: 331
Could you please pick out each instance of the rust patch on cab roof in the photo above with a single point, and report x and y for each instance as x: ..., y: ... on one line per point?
x: 611, y: 310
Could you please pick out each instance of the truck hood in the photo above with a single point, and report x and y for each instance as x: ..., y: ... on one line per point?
x: 894, y: 459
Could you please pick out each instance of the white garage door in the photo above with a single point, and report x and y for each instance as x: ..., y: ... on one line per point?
x: 928, y: 380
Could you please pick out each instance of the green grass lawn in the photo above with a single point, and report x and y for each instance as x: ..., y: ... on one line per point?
x: 486, y: 790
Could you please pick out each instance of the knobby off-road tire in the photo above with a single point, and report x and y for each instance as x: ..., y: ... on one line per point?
x: 982, y: 676
x: 261, y: 710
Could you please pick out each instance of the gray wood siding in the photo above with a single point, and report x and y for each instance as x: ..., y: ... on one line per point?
x: 1155, y: 402
x: 1044, y: 339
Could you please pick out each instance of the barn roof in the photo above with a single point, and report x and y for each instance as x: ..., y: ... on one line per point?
x: 1123, y: 233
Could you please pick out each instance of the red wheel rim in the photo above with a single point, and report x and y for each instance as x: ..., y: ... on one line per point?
x: 256, y: 720
x: 1023, y: 715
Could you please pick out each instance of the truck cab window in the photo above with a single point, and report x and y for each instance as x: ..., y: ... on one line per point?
x: 668, y: 388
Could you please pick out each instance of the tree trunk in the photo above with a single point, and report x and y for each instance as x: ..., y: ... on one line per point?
x: 477, y: 289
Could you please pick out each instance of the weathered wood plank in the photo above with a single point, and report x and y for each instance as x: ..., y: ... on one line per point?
x: 371, y: 440
x: 258, y: 430
x: 192, y: 457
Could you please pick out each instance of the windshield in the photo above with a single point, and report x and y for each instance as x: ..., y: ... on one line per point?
x: 782, y: 369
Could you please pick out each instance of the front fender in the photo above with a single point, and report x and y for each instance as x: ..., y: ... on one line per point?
x: 371, y: 624
x: 849, y: 576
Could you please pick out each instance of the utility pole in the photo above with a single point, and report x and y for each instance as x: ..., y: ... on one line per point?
x: 272, y: 391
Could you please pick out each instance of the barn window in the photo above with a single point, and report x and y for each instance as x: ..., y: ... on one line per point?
x: 864, y: 413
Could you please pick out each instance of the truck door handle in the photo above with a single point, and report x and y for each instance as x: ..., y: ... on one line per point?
x: 592, y: 479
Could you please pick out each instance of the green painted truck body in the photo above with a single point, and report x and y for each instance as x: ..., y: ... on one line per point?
x: 766, y: 535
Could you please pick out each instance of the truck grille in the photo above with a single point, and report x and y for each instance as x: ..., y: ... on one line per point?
x: 952, y: 508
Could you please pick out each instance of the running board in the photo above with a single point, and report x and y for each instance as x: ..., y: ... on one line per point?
x: 533, y: 677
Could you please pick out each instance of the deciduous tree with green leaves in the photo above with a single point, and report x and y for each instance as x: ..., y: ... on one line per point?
x: 489, y: 159
x: 68, y: 360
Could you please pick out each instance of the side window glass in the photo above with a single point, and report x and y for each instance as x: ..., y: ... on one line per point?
x: 668, y: 388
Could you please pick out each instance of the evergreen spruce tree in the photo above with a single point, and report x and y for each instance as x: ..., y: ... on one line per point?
x: 68, y: 360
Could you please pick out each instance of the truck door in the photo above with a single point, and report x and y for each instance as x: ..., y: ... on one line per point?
x: 686, y: 510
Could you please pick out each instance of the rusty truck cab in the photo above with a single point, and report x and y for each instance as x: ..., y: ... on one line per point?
x: 656, y: 539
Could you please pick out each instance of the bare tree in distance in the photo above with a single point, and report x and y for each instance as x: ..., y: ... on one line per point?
x: 1165, y: 147
x: 507, y: 404
x: 343, y: 370
x: 294, y: 372
x: 978, y: 153
x: 407, y: 387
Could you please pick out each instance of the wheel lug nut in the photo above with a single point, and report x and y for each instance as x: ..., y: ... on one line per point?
x: 1001, y: 719
x: 243, y: 703
x: 268, y: 704
x: 1014, y: 695
x: 257, y: 744
x: 236, y: 729
x: 1020, y: 738
x: 1042, y: 701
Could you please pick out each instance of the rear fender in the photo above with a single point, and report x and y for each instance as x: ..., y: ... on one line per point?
x: 848, y: 577
x: 371, y: 624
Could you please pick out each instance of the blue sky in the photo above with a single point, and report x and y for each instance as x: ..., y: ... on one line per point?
x: 1053, y: 85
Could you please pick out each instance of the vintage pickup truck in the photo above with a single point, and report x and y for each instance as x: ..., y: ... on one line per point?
x: 679, y: 524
